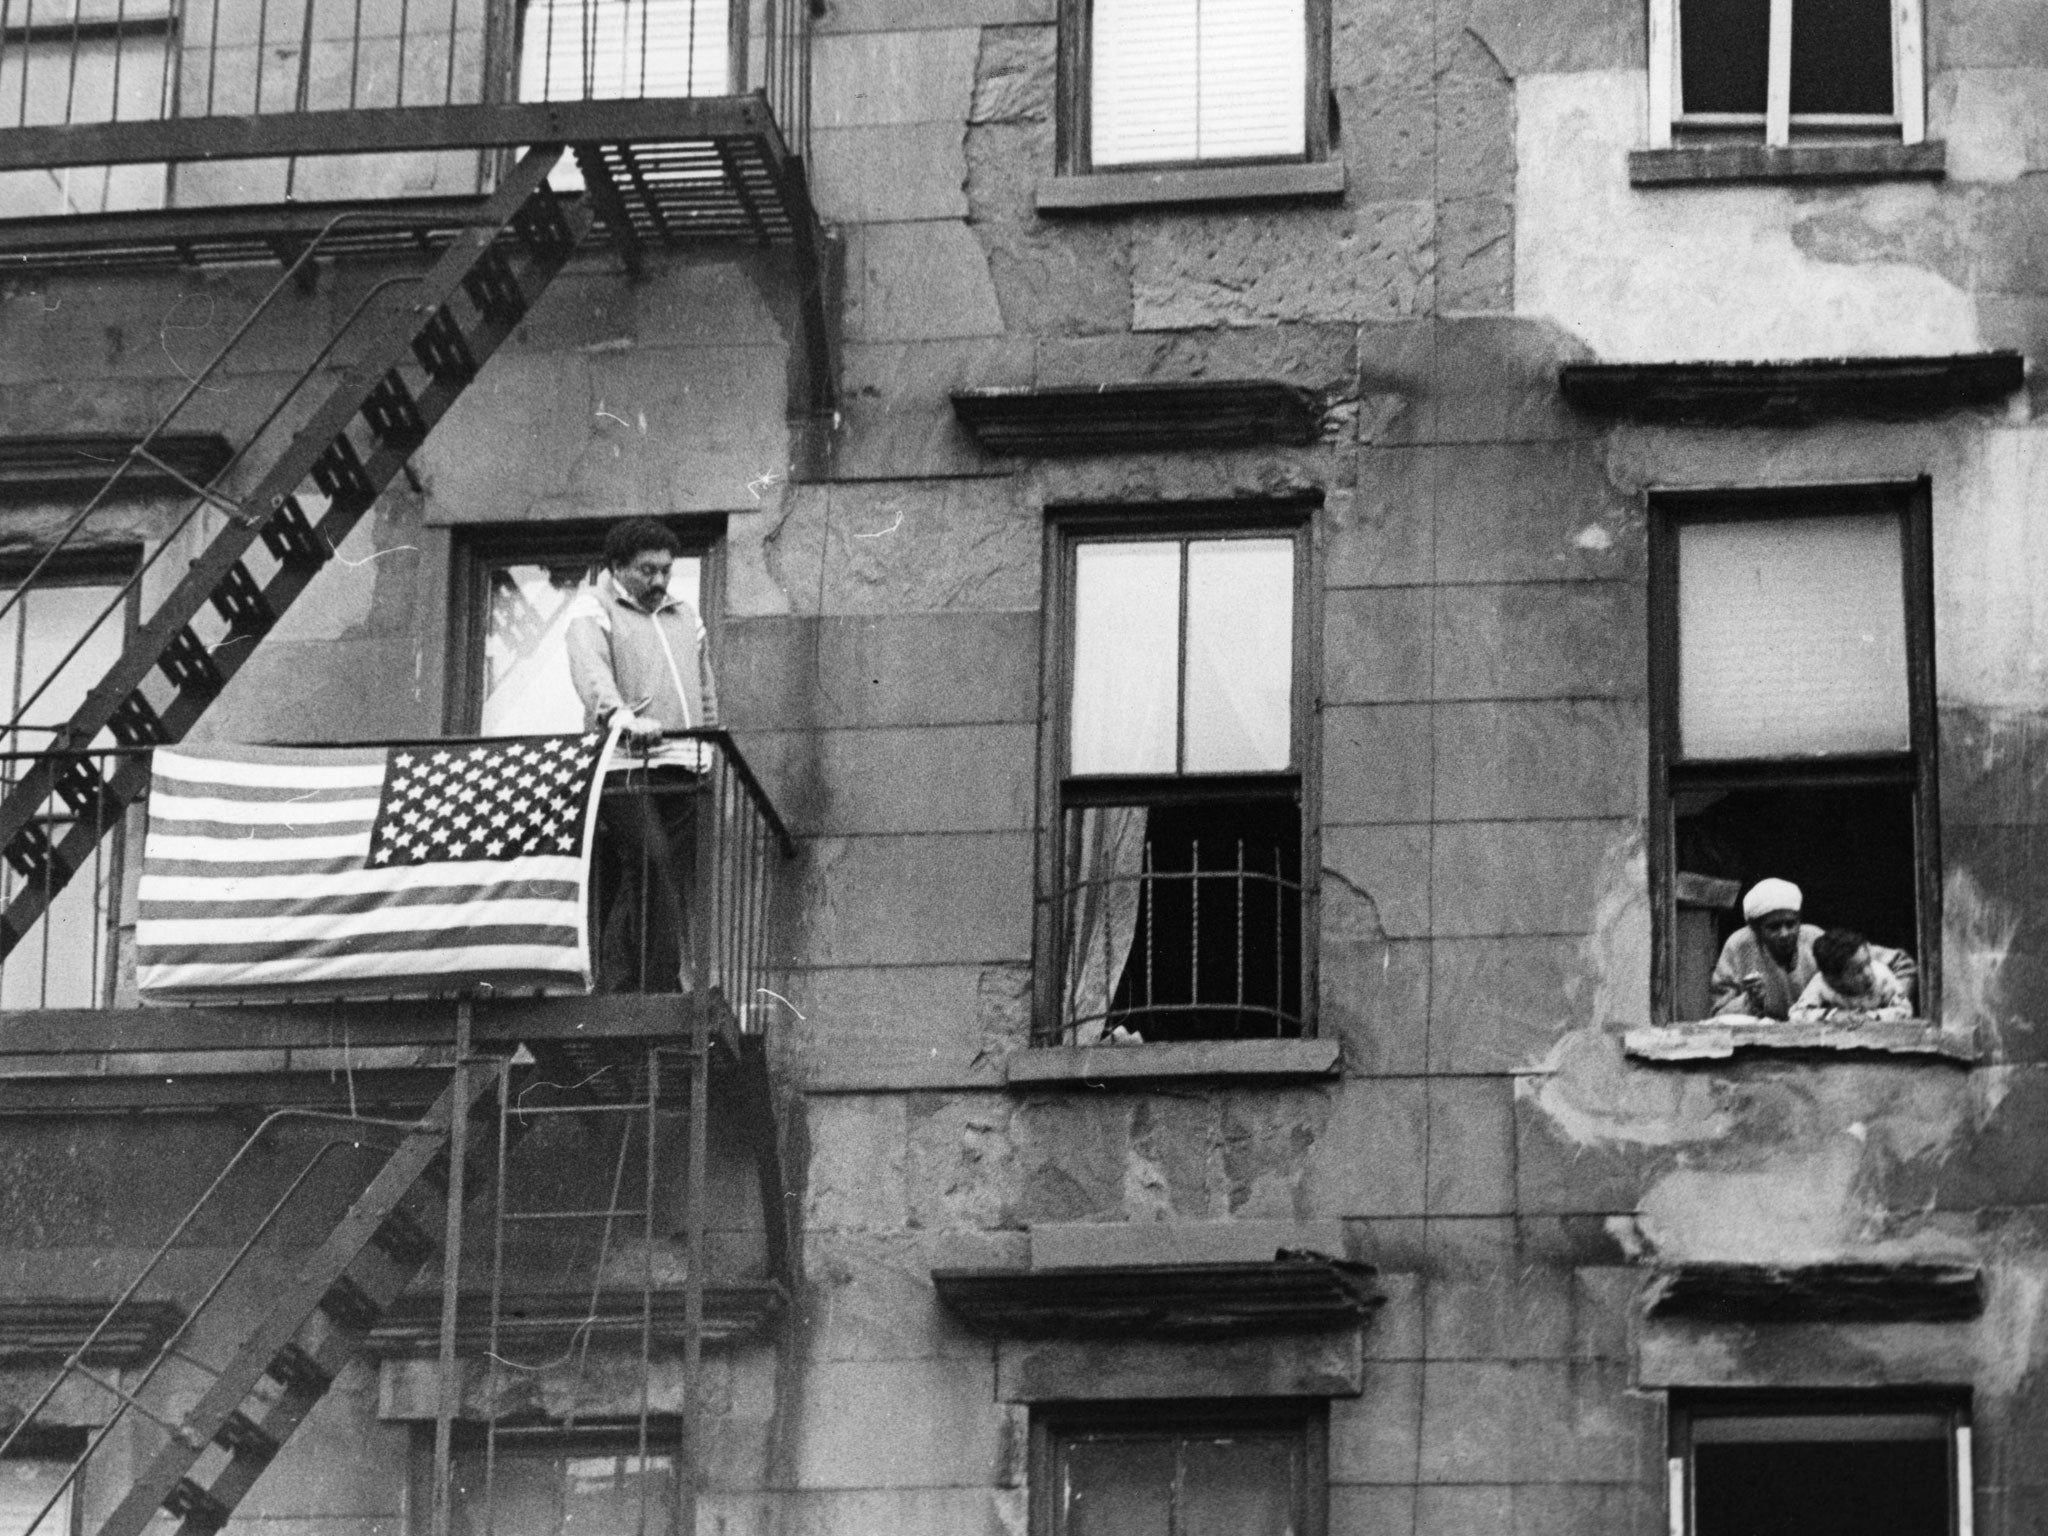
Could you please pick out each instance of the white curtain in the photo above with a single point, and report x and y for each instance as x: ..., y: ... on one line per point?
x: 1105, y: 882
x: 1175, y: 80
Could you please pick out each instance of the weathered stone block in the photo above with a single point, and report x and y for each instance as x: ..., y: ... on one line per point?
x: 1534, y: 511
x: 1375, y: 1000
x: 1376, y: 763
x: 1073, y: 1154
x: 1265, y: 1365
x: 1368, y: 263
x: 1369, y: 1159
x: 1383, y: 532
x: 1376, y: 643
x: 1988, y: 34
x: 897, y: 1027
x: 1500, y: 1004
x: 898, y: 414
x: 1561, y: 758
x: 1387, y: 868
x: 883, y: 173
x: 899, y: 76
x: 1674, y: 1352
x: 963, y: 1163
x: 1540, y: 640
x: 926, y: 281
x: 1476, y: 1418
x: 960, y: 778
x: 1059, y: 1244
x: 1373, y: 1437
x: 1471, y: 1146
x: 1596, y: 1162
x: 928, y: 669
x: 945, y: 898
x: 899, y: 1425
x: 914, y: 547
x: 1320, y: 357
x: 767, y: 673
x: 869, y: 1297
x: 857, y: 1179
x: 1510, y: 877
x: 1491, y: 1299
x: 1473, y: 380
x: 1372, y: 1511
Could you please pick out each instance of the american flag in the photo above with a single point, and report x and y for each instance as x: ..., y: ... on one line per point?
x: 418, y: 871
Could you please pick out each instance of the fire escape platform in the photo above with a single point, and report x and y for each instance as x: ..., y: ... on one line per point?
x: 661, y: 174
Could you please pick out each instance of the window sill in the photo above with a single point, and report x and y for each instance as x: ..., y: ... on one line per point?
x: 1719, y: 1040
x: 1699, y: 164
x: 1112, y: 191
x: 1090, y: 1065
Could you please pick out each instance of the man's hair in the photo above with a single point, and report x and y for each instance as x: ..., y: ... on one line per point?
x: 622, y: 541
x: 1833, y: 950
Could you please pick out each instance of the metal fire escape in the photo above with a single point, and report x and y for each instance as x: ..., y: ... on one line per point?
x: 265, y: 1337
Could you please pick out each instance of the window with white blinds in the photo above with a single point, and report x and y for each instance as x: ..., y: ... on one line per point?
x: 1792, y: 638
x: 587, y: 50
x: 1173, y: 81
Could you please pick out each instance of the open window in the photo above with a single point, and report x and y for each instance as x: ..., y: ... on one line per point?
x: 1820, y: 1466
x: 38, y: 1494
x: 1793, y: 722
x: 598, y: 1479
x: 1786, y: 70
x: 1153, y: 84
x: 1176, y: 889
x: 1160, y: 1469
x: 512, y: 590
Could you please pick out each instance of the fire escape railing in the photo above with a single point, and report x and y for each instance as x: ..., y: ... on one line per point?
x: 728, y: 878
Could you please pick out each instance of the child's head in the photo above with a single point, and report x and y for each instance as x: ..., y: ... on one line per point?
x: 1843, y: 956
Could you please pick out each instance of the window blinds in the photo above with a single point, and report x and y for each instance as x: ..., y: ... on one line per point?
x: 583, y: 50
x: 1179, y: 80
x: 1792, y: 638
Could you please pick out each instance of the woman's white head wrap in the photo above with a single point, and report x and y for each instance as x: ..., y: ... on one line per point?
x: 1771, y: 896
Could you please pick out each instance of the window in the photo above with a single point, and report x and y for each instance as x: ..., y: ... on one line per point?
x: 1180, y: 828
x: 1152, y: 1469
x: 1787, y: 68
x: 1813, y: 1466
x: 1793, y: 722
x: 513, y: 589
x: 548, y: 1481
x: 35, y: 1476
x: 71, y: 61
x: 56, y: 642
x: 1160, y: 83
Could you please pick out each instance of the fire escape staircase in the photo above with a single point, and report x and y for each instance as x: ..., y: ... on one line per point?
x: 413, y: 368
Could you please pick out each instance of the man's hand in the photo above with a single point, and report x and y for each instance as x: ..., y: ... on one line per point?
x: 637, y: 729
x: 1753, y: 985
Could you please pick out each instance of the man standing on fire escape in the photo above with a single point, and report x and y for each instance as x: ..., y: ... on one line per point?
x: 638, y: 657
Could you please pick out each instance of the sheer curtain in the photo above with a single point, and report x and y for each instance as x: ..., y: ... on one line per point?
x: 1105, y: 883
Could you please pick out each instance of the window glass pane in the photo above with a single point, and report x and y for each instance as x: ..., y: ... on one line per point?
x: 1240, y: 655
x: 1724, y: 55
x: 1126, y: 657
x: 1791, y: 638
x: 527, y: 690
x: 1197, y: 80
x: 1842, y: 56
x: 542, y: 1493
x: 581, y: 50
x: 94, y: 80
x: 1116, y: 1488
x: 1790, y: 1488
x: 1239, y: 1487
x: 26, y: 1485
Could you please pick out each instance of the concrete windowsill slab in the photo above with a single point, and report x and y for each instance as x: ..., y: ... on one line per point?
x: 1057, y: 1065
x: 1695, y: 164
x: 1115, y: 191
x: 1720, y: 1039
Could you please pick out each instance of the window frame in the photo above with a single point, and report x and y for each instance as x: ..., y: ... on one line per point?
x: 1075, y: 73
x: 1309, y: 1417
x: 1909, y: 84
x: 1685, y: 1410
x: 1065, y: 528
x: 58, y: 1446
x: 477, y: 548
x: 1918, y: 766
x: 543, y: 1438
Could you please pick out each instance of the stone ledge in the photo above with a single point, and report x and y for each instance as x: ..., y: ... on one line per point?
x: 1090, y: 1065
x: 1719, y: 1040
x: 556, y: 1319
x: 1139, y: 417
x: 1793, y: 392
x: 45, y: 1331
x: 1923, y: 1291
x: 1116, y: 191
x: 1697, y: 164
x: 1297, y: 1291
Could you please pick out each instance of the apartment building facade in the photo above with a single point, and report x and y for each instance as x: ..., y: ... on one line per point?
x: 1275, y: 571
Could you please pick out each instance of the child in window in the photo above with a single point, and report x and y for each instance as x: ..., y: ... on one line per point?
x: 1850, y: 986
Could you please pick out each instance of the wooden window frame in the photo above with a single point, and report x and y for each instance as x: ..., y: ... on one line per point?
x: 1076, y: 49
x: 603, y: 1437
x: 476, y: 548
x: 1909, y: 86
x: 57, y: 1446
x: 1069, y: 526
x: 1918, y: 765
x: 1686, y: 1410
x: 1309, y: 1417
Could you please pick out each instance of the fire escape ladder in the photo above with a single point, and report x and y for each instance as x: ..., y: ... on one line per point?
x: 224, y: 1393
x: 413, y: 369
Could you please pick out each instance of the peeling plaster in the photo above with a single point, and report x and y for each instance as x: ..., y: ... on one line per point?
x: 1629, y: 273
x: 1591, y: 1096
x: 1976, y: 940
